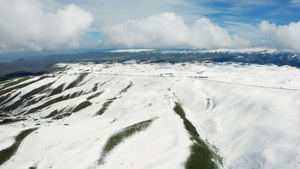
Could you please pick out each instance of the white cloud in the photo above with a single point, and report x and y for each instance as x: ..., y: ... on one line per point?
x: 295, y: 2
x: 267, y: 28
x: 24, y: 25
x: 244, y: 30
x: 283, y: 37
x: 110, y: 12
x: 169, y: 30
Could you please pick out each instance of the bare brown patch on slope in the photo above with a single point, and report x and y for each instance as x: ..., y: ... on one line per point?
x: 10, y: 99
x: 82, y: 106
x: 57, y: 90
x: 48, y: 103
x: 29, y: 94
x: 76, y: 94
x: 95, y: 95
x: 21, y: 85
x: 79, y: 79
x: 7, y: 153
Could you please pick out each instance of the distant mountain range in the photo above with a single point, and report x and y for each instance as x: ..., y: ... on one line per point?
x: 254, y: 55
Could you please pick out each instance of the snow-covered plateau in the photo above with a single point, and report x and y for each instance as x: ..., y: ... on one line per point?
x: 245, y: 50
x: 146, y: 116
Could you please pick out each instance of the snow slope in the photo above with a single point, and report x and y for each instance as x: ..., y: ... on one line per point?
x: 123, y: 116
x: 246, y: 50
x: 133, y: 50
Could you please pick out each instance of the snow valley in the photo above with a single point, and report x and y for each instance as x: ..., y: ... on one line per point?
x: 152, y: 115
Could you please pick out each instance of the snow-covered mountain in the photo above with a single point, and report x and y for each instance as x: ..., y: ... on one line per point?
x: 263, y: 56
x: 183, y: 115
x: 182, y: 51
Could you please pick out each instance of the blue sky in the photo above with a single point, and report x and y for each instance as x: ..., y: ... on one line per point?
x: 37, y: 25
x: 279, y: 12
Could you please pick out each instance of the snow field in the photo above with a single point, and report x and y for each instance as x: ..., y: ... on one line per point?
x: 249, y: 113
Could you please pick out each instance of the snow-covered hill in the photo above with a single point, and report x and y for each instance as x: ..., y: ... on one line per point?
x: 185, y: 115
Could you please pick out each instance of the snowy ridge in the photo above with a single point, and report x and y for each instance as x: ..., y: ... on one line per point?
x: 154, y: 116
x: 246, y: 50
x: 133, y: 50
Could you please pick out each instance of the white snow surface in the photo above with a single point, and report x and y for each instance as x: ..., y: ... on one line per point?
x: 245, y: 50
x: 250, y: 113
x: 132, y: 50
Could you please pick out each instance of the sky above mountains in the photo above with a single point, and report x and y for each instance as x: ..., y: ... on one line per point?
x: 36, y: 25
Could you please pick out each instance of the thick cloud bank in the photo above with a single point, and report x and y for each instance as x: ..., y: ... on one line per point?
x: 283, y: 37
x: 169, y: 30
x: 25, y: 26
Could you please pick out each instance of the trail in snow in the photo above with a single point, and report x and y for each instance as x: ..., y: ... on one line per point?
x: 200, y: 78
